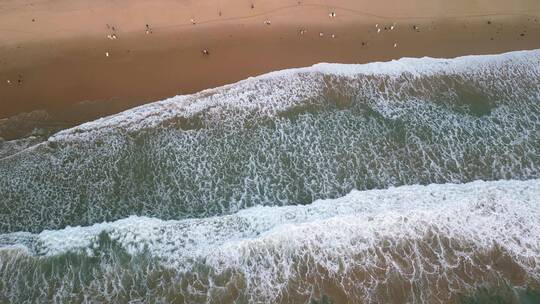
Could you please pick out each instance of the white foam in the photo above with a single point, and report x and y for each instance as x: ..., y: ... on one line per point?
x: 273, y: 92
x: 483, y: 211
x: 358, y: 232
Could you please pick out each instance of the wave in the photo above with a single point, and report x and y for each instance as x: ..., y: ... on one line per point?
x: 280, y: 91
x: 285, y: 138
x: 413, y: 243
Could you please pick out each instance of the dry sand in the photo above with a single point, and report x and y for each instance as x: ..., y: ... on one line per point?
x: 54, y: 52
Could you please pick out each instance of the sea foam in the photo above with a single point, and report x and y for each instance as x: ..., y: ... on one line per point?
x: 434, y: 241
x: 288, y: 137
x: 239, y: 193
x: 277, y: 91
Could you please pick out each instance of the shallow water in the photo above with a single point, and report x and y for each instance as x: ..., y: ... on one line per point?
x: 311, y: 135
x: 243, y: 193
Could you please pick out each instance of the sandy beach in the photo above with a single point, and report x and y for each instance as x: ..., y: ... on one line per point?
x: 80, y: 59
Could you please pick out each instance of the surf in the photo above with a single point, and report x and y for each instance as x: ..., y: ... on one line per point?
x: 415, y: 243
x: 286, y: 138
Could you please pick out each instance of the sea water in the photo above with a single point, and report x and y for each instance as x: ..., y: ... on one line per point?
x: 414, y: 180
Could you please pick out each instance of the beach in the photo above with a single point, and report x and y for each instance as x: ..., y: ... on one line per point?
x: 269, y: 151
x: 80, y: 60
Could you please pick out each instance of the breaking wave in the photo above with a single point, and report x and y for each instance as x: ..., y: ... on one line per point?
x: 417, y: 244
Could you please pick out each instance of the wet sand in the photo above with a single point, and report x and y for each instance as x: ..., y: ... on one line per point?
x: 80, y: 60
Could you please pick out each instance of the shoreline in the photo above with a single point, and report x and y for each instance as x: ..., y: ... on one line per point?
x: 68, y: 74
x: 40, y: 125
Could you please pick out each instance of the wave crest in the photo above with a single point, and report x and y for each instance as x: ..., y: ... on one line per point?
x: 416, y: 243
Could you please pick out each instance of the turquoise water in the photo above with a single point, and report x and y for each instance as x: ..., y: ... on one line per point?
x: 281, y: 189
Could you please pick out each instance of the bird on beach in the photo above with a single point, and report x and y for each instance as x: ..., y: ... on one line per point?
x: 113, y: 35
x: 205, y: 52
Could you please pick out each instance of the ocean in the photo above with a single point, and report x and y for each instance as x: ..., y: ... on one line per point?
x: 411, y: 181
